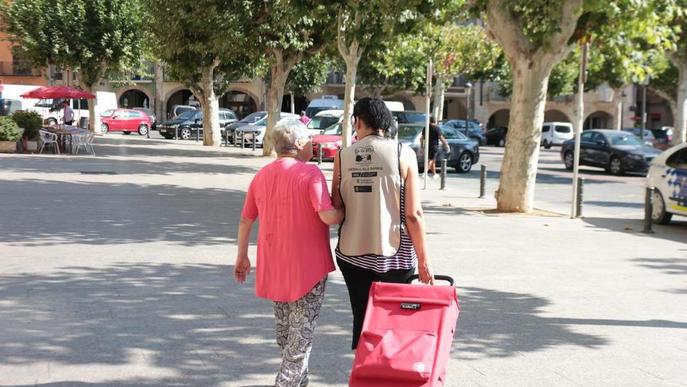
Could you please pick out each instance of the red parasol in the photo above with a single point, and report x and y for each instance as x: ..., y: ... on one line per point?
x: 57, y: 92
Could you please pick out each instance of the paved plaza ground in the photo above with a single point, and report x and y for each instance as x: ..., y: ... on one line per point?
x: 115, y: 270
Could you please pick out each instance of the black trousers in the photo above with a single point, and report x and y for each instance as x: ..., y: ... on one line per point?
x: 358, y: 282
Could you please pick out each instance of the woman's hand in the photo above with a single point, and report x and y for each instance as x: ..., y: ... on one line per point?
x: 425, y: 273
x: 241, y: 269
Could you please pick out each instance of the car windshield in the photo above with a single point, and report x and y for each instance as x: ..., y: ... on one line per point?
x: 562, y: 129
x: 107, y: 113
x: 408, y: 132
x: 187, y: 115
x: 624, y: 139
x: 334, y: 130
x: 253, y: 117
x: 322, y: 122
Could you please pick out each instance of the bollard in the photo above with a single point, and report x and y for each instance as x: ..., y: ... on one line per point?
x: 648, y: 210
x: 319, y: 154
x: 243, y: 140
x: 176, y: 132
x: 443, y: 174
x: 236, y: 139
x: 482, y: 181
x: 580, y: 192
x: 254, y: 140
x: 197, y: 134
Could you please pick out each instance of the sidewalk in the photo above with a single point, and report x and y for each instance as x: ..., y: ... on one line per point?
x: 116, y: 271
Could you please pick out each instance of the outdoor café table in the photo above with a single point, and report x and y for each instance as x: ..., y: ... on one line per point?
x: 65, y: 134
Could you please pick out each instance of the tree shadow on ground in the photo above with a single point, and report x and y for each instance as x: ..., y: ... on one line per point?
x: 190, y: 324
x: 116, y: 213
x: 675, y: 231
x: 670, y: 266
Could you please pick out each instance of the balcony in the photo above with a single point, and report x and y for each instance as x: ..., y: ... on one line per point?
x: 18, y: 68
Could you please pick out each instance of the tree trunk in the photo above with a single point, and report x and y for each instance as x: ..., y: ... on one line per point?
x: 439, y: 92
x: 210, y: 105
x: 680, y: 123
x: 519, y: 168
x: 160, y: 111
x: 349, y: 96
x: 279, y: 72
x: 93, y: 119
x: 531, y: 66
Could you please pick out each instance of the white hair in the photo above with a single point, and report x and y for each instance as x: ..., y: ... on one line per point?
x: 286, y: 133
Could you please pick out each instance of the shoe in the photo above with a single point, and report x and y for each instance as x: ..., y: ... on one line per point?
x: 305, y: 381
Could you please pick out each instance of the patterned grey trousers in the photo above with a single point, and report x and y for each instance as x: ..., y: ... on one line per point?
x: 295, y: 327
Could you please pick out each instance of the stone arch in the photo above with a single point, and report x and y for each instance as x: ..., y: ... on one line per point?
x: 499, y: 118
x: 242, y: 102
x: 598, y: 120
x: 135, y: 97
x: 554, y: 115
x: 179, y: 96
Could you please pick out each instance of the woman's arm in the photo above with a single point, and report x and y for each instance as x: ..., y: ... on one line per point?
x: 415, y: 221
x: 242, y: 265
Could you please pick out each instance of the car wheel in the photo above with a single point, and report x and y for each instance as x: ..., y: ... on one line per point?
x: 104, y: 128
x: 616, y: 166
x: 185, y: 133
x: 569, y: 160
x: 502, y: 142
x: 143, y: 130
x: 464, y: 163
x: 547, y: 144
x: 659, y: 214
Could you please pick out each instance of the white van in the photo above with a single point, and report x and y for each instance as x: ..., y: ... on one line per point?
x: 556, y: 133
x: 395, y: 106
x: 51, y: 109
x: 327, y: 102
x: 11, y: 100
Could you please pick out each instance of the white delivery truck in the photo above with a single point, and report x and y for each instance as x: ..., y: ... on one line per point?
x: 11, y: 100
x: 326, y: 102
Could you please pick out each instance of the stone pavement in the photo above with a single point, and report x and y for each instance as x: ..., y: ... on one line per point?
x: 115, y: 270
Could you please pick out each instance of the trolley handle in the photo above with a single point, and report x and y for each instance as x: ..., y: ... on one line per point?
x: 436, y: 277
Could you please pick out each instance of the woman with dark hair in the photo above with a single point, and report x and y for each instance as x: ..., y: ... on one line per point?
x: 382, y: 237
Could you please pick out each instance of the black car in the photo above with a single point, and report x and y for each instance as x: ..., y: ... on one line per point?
x: 190, y: 124
x: 469, y: 128
x: 497, y: 136
x: 228, y: 131
x: 616, y: 151
x: 464, y: 152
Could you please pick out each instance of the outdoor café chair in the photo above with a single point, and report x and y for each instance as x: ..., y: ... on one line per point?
x: 48, y: 138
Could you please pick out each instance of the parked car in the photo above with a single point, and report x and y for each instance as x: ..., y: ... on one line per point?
x: 497, y: 136
x: 150, y: 114
x: 668, y: 174
x: 326, y: 102
x: 256, y: 131
x: 178, y: 110
x: 331, y: 141
x: 616, y: 151
x: 125, y: 120
x: 190, y: 124
x: 409, y: 117
x: 469, y: 128
x: 324, y: 120
x: 464, y: 151
x: 249, y: 119
x: 556, y: 133
x: 663, y: 136
x: 649, y: 138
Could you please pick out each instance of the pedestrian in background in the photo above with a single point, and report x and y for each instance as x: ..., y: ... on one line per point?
x: 382, y: 237
x: 67, y: 113
x: 292, y: 202
x: 304, y: 119
x: 434, y: 137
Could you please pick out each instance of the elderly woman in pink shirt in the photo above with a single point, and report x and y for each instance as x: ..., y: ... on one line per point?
x: 291, y: 199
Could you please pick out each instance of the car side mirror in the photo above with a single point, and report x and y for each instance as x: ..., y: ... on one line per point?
x: 601, y: 142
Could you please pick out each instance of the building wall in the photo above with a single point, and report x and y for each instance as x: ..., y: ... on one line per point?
x: 8, y: 75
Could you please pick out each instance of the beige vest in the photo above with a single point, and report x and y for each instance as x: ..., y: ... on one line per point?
x: 371, y: 191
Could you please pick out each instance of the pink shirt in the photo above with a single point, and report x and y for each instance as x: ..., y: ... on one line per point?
x: 293, y: 242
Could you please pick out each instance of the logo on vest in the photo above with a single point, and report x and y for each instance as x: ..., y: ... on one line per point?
x: 419, y: 367
x: 363, y: 154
